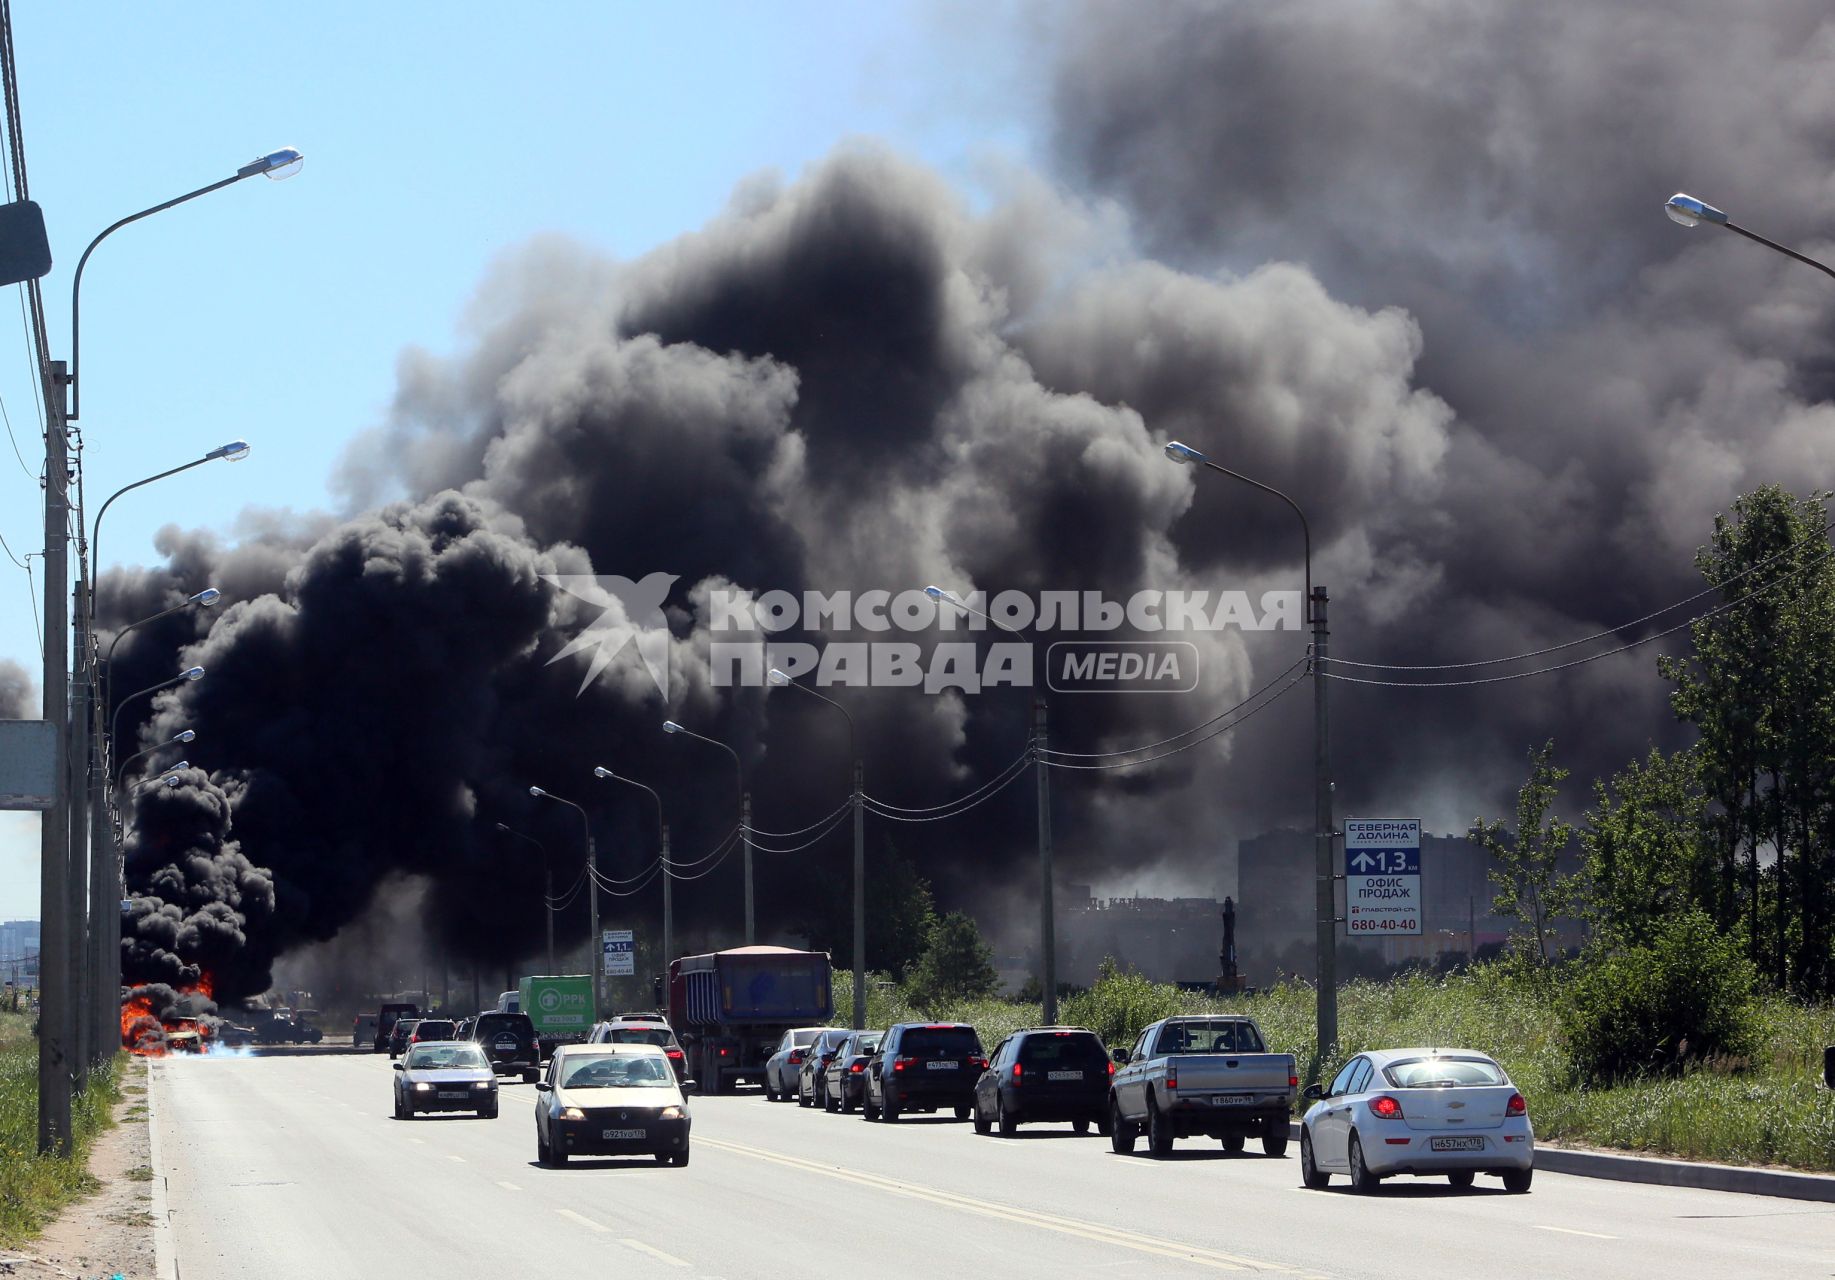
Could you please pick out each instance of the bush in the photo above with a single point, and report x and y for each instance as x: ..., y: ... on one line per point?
x: 1120, y: 1004
x: 1651, y: 1008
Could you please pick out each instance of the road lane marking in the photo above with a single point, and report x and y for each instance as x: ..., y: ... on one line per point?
x: 583, y: 1220
x: 460, y: 1159
x: 418, y: 1141
x: 1569, y: 1231
x: 1025, y: 1217
x: 509, y: 1186
x: 654, y: 1252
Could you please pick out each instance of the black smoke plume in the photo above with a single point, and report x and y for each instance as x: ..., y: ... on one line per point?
x: 18, y: 692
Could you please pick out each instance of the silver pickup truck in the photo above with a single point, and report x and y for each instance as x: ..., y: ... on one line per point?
x: 1207, y: 1075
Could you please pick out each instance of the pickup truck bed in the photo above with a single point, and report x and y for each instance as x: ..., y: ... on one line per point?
x: 1204, y: 1076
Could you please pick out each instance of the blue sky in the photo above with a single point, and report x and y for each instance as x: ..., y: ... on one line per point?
x: 437, y: 137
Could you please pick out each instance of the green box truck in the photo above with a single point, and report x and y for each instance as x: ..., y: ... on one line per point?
x: 561, y: 1007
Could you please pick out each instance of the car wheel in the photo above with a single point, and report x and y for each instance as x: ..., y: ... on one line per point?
x: 1104, y: 1125
x: 1362, y: 1180
x: 1274, y: 1138
x: 1516, y: 1181
x: 398, y: 1114
x: 1009, y: 1125
x: 804, y: 1099
x: 680, y: 1158
x: 888, y: 1110
x: 528, y: 1077
x: 1461, y: 1178
x: 1232, y: 1142
x: 1121, y: 1132
x: 543, y: 1156
x: 1080, y: 1127
x: 962, y: 1113
x: 1159, y: 1131
x: 829, y: 1102
x: 663, y: 1157
x: 488, y: 1113
x: 983, y: 1125
x: 847, y: 1101
x: 1311, y: 1175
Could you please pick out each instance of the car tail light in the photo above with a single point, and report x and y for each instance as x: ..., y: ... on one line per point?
x: 1172, y: 1075
x: 1293, y: 1082
x: 723, y: 1052
x: 1516, y: 1106
x: 672, y: 1054
x: 899, y: 1064
x: 980, y: 1064
x: 1111, y: 1068
x: 857, y: 1066
x: 796, y: 1059
x: 1386, y: 1108
x: 1018, y: 1073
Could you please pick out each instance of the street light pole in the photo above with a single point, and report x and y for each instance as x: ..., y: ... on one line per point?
x: 1325, y: 898
x: 60, y: 929
x: 1048, y: 924
x: 592, y: 876
x: 745, y: 816
x: 547, y: 885
x: 1684, y: 209
x: 781, y: 679
x: 669, y: 955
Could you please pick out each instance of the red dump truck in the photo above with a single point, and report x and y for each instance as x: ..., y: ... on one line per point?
x: 730, y: 1008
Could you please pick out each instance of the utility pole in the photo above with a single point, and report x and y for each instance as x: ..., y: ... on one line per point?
x: 548, y: 897
x: 57, y: 1004
x: 745, y: 825
x: 860, y: 898
x: 1323, y: 840
x: 83, y: 1050
x: 598, y: 944
x: 1048, y: 940
x: 668, y: 892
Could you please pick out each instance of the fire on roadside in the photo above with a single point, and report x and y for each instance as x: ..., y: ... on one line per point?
x: 156, y: 1021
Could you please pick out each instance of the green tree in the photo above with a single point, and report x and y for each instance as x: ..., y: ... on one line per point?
x: 1649, y: 847
x: 957, y: 965
x: 1525, y: 865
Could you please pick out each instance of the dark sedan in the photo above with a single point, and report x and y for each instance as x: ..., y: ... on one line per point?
x: 610, y: 1100
x: 844, y: 1079
x: 445, y: 1076
x: 1045, y: 1074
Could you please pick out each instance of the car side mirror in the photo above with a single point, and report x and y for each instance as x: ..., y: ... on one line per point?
x: 1120, y: 1055
x: 401, y: 1066
x: 1313, y: 1092
x: 542, y: 1086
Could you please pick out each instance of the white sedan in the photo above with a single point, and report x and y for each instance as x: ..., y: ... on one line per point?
x: 1451, y: 1113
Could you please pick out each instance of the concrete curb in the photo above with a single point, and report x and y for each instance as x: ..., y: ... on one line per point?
x: 165, y: 1254
x: 1656, y: 1171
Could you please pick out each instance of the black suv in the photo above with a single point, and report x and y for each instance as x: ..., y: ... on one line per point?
x: 510, y: 1042
x: 923, y: 1066
x: 1045, y: 1073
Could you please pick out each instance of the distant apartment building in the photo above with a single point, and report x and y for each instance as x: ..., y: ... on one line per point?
x: 18, y: 938
x: 1167, y: 939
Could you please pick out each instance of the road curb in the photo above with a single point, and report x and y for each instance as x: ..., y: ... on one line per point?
x: 1657, y: 1171
x: 165, y: 1255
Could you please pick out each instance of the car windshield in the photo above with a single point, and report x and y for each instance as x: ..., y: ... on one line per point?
x: 650, y: 1071
x: 945, y: 1042
x: 1220, y: 1035
x: 658, y: 1036
x: 1442, y: 1073
x: 1062, y: 1048
x: 445, y: 1057
x: 433, y: 1027
x: 804, y: 1038
x: 501, y: 1024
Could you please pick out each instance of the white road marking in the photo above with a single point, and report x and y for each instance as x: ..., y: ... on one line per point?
x: 1569, y: 1231
x: 420, y: 1141
x: 582, y: 1219
x: 460, y: 1159
x: 509, y: 1186
x: 654, y: 1252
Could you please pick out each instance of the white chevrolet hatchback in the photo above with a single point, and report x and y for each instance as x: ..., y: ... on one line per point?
x: 1451, y: 1113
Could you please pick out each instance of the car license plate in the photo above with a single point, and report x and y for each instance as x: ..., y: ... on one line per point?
x: 943, y: 1066
x: 1233, y: 1100
x: 616, y: 1134
x: 1457, y: 1144
x: 452, y: 1093
x: 508, y: 1046
x: 1064, y: 1075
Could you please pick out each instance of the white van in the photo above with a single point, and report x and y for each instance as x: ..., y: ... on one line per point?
x: 510, y: 1002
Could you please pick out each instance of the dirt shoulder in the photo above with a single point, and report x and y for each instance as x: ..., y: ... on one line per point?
x: 108, y: 1232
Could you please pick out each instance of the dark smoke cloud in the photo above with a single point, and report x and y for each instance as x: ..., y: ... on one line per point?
x: 18, y: 692
x: 1508, y: 426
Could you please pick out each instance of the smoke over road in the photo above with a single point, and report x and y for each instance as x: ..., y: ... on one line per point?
x: 1436, y: 304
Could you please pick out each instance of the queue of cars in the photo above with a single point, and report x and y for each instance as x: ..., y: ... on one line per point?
x: 1432, y: 1112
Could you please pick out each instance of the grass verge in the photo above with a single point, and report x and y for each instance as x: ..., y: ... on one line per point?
x: 34, y: 1187
x: 1769, y: 1110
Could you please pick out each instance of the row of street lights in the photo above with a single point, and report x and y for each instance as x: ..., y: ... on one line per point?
x: 80, y: 835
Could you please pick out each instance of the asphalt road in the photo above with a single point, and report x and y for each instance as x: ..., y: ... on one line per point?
x: 290, y: 1166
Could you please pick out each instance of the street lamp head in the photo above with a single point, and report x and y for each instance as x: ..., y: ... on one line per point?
x: 205, y: 598
x: 778, y: 677
x: 186, y: 735
x: 670, y: 726
x: 600, y: 771
x: 171, y: 781
x: 171, y: 769
x: 1687, y: 211
x: 1183, y: 453
x: 537, y: 791
x: 277, y: 165
x: 502, y: 828
x: 194, y: 673
x: 947, y: 597
x: 234, y: 451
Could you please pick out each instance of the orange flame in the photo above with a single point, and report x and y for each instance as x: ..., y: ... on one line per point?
x: 145, y: 1034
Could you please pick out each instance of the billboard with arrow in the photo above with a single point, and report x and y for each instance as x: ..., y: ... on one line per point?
x: 1382, y: 877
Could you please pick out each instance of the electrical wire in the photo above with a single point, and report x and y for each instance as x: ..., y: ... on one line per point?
x: 1010, y: 780
x: 606, y: 881
x: 1024, y: 759
x: 709, y: 870
x: 1150, y: 746
x: 1597, y: 635
x: 567, y: 898
x: 635, y: 889
x: 1578, y: 662
x: 1272, y: 698
x: 718, y: 850
x: 799, y: 848
x: 791, y: 835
